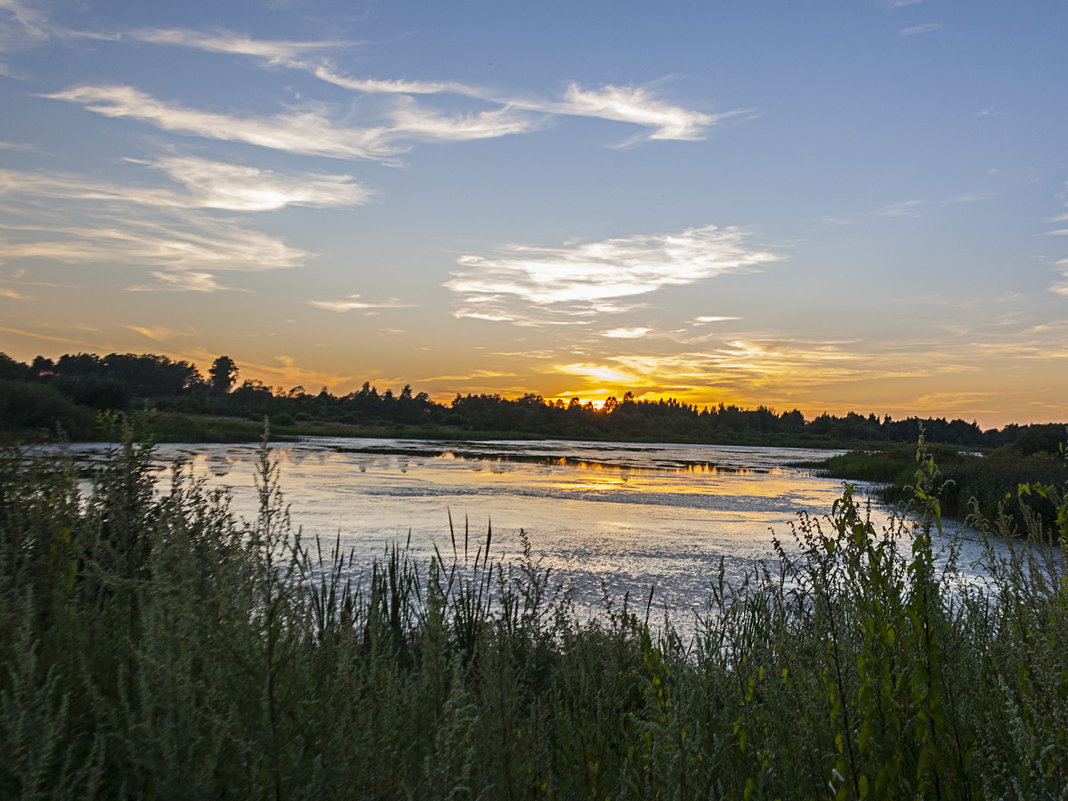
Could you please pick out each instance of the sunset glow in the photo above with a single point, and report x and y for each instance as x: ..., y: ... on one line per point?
x: 819, y: 207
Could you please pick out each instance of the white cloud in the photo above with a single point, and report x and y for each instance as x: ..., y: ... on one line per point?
x: 626, y: 333
x: 635, y: 105
x: 209, y: 184
x: 274, y: 52
x: 411, y: 121
x: 217, y: 185
x: 193, y: 243
x: 182, y: 282
x: 353, y: 303
x: 1061, y: 288
x: 159, y: 333
x: 538, y: 285
x: 971, y: 197
x: 928, y: 27
x: 906, y: 208
x: 305, y: 56
x: 75, y: 220
x: 711, y: 319
x: 21, y: 25
x: 308, y: 132
x: 393, y: 87
x: 311, y: 132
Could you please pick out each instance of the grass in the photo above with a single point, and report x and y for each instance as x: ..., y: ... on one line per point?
x: 968, y: 484
x: 152, y: 646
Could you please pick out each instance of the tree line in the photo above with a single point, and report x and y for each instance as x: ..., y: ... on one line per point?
x: 70, y: 391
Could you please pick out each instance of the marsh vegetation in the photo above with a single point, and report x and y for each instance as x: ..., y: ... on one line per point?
x: 986, y: 485
x: 153, y: 646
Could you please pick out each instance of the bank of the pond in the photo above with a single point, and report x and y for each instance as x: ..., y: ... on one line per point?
x: 968, y: 483
x: 177, y: 426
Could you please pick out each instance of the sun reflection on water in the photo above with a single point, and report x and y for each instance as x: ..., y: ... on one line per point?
x: 628, y: 515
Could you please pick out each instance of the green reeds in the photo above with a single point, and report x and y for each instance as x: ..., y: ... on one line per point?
x: 153, y: 646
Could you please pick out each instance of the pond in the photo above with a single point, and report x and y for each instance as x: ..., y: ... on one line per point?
x: 622, y: 516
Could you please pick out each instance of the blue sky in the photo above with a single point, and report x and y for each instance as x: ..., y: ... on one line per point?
x: 827, y: 206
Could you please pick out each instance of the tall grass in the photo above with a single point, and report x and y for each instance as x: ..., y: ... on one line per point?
x: 991, y: 481
x: 153, y: 646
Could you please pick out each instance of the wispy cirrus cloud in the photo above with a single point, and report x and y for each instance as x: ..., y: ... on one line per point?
x: 637, y: 105
x: 929, y: 27
x: 208, y: 184
x: 354, y: 303
x: 235, y: 187
x: 22, y: 25
x: 410, y: 121
x: 1061, y: 287
x: 209, y: 244
x: 274, y: 52
x: 541, y: 285
x: 906, y: 208
x: 308, y: 132
x: 307, y: 56
x: 45, y: 337
x: 704, y: 319
x: 183, y: 281
x: 76, y: 219
x: 628, y: 104
x: 626, y: 333
x: 160, y: 333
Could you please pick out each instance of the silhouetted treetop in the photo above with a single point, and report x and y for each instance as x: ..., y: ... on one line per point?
x: 223, y: 374
x: 121, y: 381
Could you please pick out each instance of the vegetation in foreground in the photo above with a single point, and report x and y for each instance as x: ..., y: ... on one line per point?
x: 151, y: 646
x: 969, y: 482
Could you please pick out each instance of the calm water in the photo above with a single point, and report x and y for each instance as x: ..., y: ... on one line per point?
x: 628, y: 515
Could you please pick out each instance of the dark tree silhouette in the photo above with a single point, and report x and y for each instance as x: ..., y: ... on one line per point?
x: 223, y: 374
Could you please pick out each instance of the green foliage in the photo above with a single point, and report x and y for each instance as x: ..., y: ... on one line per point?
x: 969, y: 483
x: 152, y: 646
x: 34, y: 411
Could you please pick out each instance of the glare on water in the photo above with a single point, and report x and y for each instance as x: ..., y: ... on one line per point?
x: 628, y: 516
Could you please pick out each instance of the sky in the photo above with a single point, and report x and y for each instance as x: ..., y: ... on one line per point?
x: 828, y: 206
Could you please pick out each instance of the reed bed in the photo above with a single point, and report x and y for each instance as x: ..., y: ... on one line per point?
x: 154, y: 646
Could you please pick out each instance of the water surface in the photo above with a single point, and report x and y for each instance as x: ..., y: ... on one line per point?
x: 625, y: 515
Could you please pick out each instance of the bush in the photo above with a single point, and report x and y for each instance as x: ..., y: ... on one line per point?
x: 28, y: 410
